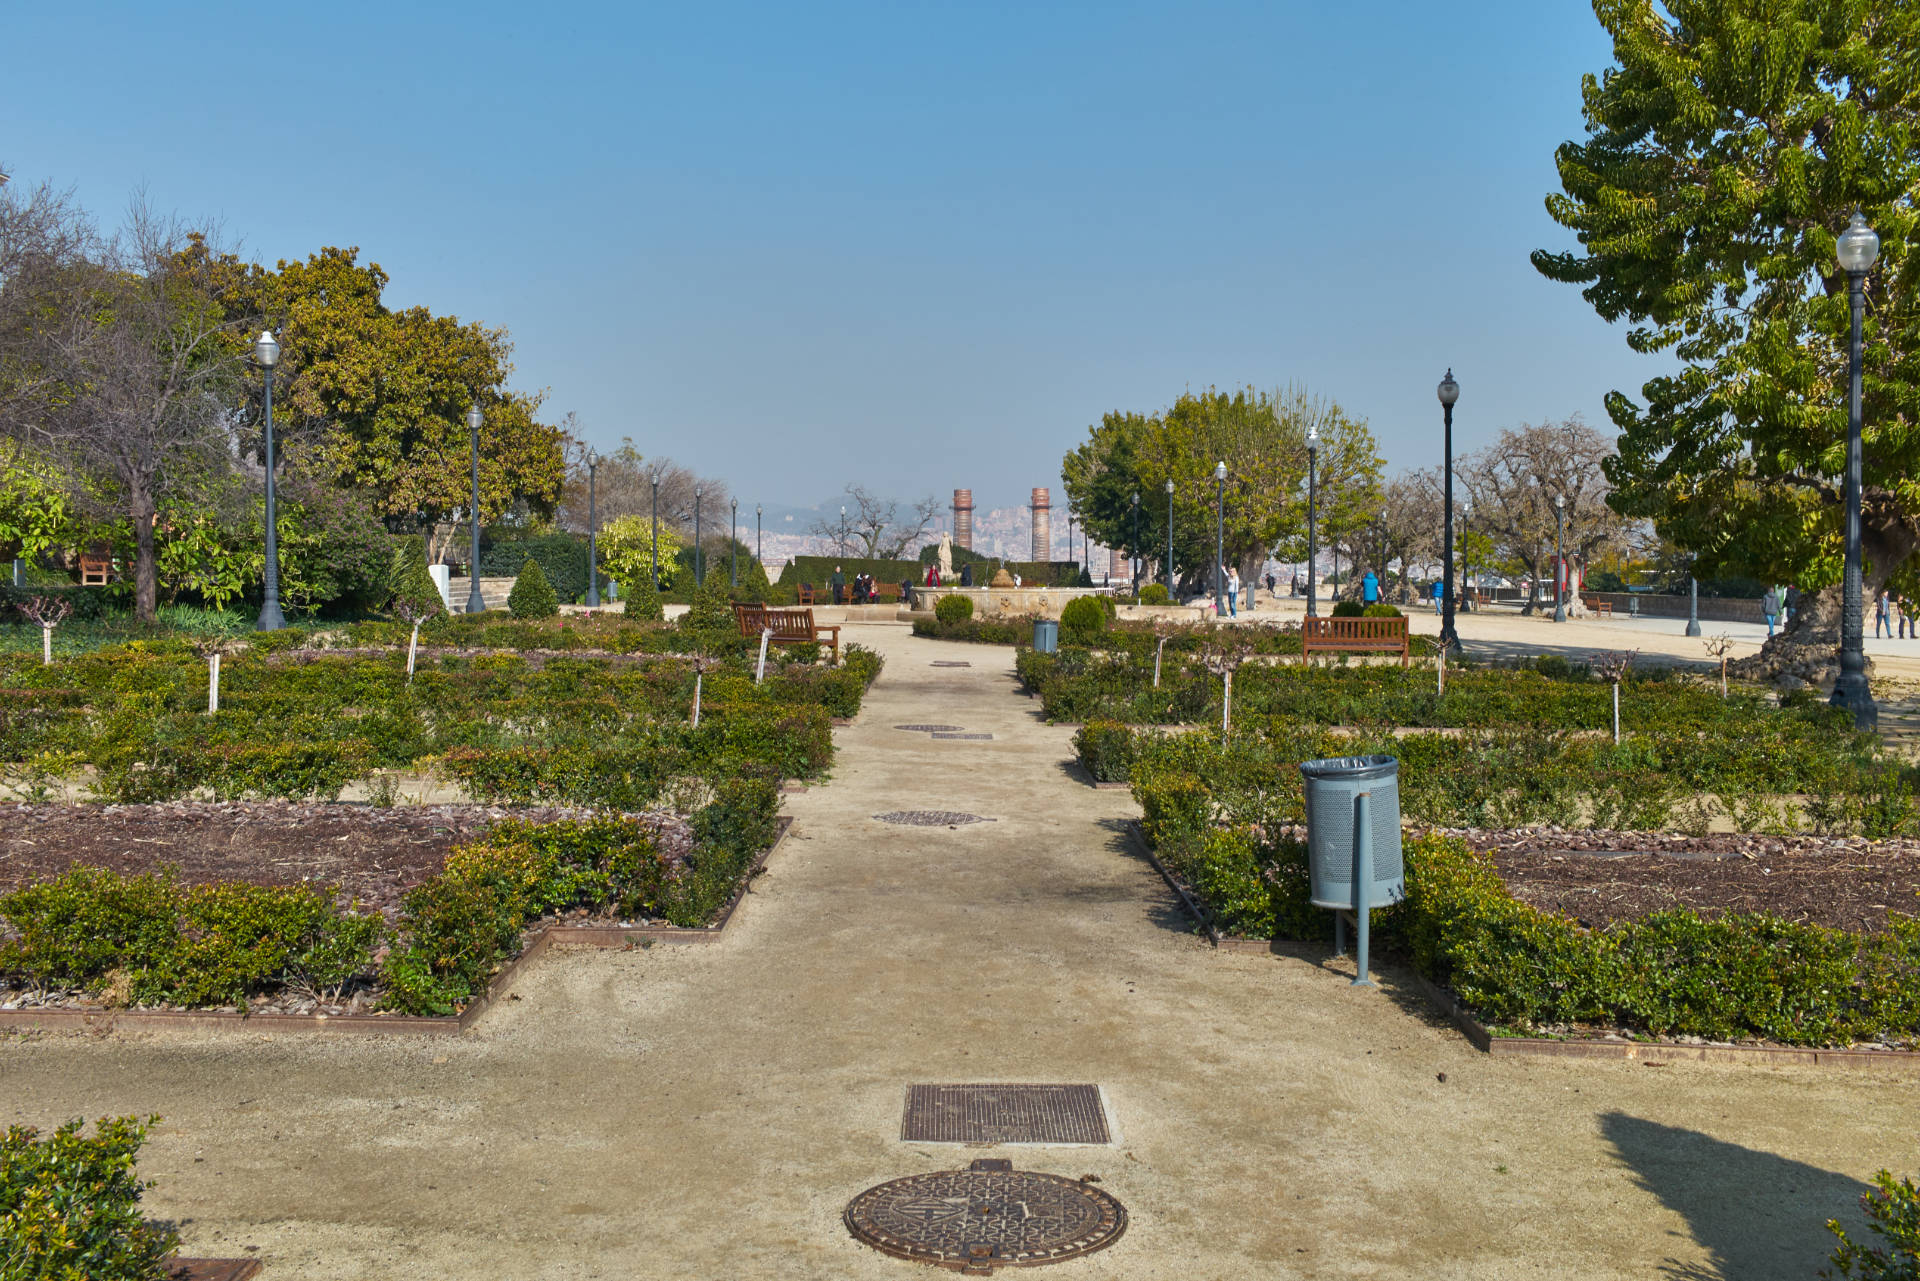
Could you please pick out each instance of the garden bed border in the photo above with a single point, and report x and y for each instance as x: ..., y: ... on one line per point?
x: 535, y: 944
x: 1652, y: 1053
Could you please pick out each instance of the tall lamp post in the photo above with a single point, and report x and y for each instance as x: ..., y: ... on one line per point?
x: 1858, y: 249
x: 758, y: 553
x: 733, y: 547
x: 1449, y: 638
x: 1137, y: 557
x: 654, y: 556
x: 1313, y: 496
x: 1170, y: 539
x: 1560, y: 559
x: 699, y: 577
x: 476, y: 604
x: 266, y: 352
x: 1220, y: 539
x: 1693, y: 605
x: 593, y: 527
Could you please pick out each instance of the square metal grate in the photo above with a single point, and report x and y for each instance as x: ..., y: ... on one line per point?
x: 1004, y: 1114
x: 977, y: 738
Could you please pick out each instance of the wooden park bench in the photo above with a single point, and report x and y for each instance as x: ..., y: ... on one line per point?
x: 886, y: 591
x: 788, y: 626
x: 1354, y: 636
x: 805, y: 593
x: 1604, y: 608
x: 95, y: 570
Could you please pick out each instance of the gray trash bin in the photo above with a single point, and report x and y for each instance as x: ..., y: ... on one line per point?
x: 1351, y: 868
x: 1046, y: 635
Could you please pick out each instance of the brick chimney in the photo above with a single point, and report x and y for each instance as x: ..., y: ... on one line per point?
x: 1042, y: 526
x: 963, y: 518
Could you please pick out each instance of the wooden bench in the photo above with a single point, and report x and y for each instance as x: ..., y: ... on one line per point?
x: 789, y: 626
x: 886, y: 591
x: 1354, y: 636
x: 1604, y: 608
x: 805, y: 593
x: 94, y: 570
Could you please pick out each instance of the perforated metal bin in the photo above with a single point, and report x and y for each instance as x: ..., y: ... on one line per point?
x: 1332, y: 786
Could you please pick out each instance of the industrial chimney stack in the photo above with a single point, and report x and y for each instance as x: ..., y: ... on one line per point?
x: 963, y: 518
x: 1042, y: 526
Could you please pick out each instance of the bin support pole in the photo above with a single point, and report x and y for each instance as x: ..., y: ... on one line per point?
x: 1339, y: 933
x: 1362, y: 882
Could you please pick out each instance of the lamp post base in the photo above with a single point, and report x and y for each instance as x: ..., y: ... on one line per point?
x: 476, y: 605
x: 271, y: 619
x: 1852, y: 692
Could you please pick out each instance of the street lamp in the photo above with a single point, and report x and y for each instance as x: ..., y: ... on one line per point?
x: 1449, y: 639
x: 266, y: 352
x: 1858, y: 248
x: 733, y: 547
x: 1170, y: 597
x: 593, y: 558
x: 1313, y: 495
x: 1137, y: 558
x: 1560, y: 559
x: 1220, y: 540
x: 476, y: 604
x: 699, y: 578
x: 653, y: 557
x: 1693, y: 605
x: 758, y: 553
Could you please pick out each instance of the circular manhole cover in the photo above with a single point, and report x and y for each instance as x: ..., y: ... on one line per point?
x: 930, y: 818
x: 931, y: 729
x: 976, y: 1220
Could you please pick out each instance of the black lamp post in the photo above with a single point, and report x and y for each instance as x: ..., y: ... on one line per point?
x: 758, y: 553
x: 593, y: 526
x: 1693, y: 606
x: 699, y: 578
x: 266, y: 352
x: 1449, y: 638
x: 1170, y: 538
x: 1220, y: 539
x: 476, y: 604
x: 1858, y: 249
x: 654, y: 556
x: 1137, y: 558
x: 1560, y: 559
x: 1313, y: 497
x: 733, y: 547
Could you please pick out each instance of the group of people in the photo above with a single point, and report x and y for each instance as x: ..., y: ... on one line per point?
x: 1890, y: 610
x: 859, y: 592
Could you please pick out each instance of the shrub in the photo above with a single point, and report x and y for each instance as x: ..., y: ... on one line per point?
x: 1084, y: 620
x: 1379, y: 609
x: 1154, y: 594
x: 954, y: 609
x: 1553, y: 666
x: 1223, y: 867
x: 1349, y: 609
x: 1893, y: 1213
x: 532, y: 595
x: 409, y: 583
x: 709, y: 613
x: 642, y: 602
x: 70, y: 1206
x: 562, y: 558
x: 1173, y: 806
x: 1106, y: 749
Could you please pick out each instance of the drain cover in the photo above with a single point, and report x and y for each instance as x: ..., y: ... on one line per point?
x: 947, y: 662
x: 930, y: 818
x: 1004, y: 1114
x: 985, y: 1217
x: 968, y: 736
x: 930, y: 729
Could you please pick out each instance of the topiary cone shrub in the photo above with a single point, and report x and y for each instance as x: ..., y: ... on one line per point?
x: 1154, y: 594
x: 532, y: 595
x: 1084, y: 620
x: 954, y: 609
x: 643, y: 602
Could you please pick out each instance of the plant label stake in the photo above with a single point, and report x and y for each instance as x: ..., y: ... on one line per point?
x: 1442, y: 675
x: 413, y: 645
x: 1616, y: 713
x: 760, y: 669
x: 1159, y: 649
x: 46, y: 645
x: 213, y: 682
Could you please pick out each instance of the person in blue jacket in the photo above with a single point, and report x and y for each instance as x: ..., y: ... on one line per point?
x: 1370, y: 589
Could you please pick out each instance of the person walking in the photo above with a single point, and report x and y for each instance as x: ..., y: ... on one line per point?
x: 1370, y: 589
x: 1881, y: 624
x: 1770, y: 606
x: 1233, y: 591
x: 1439, y: 590
x: 839, y: 584
x: 1904, y: 609
x: 1272, y: 590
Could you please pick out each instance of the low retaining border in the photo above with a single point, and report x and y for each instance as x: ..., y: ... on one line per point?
x: 1653, y: 1053
x: 536, y: 943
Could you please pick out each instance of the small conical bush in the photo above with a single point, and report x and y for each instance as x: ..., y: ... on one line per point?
x: 532, y: 595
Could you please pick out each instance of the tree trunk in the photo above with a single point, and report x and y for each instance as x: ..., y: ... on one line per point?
x: 146, y: 569
x: 1808, y: 648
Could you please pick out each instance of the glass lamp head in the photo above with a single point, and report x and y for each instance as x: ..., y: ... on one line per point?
x: 1859, y: 247
x: 1449, y: 390
x: 265, y: 350
x: 1219, y: 471
x: 1169, y: 487
x: 475, y: 417
x: 1313, y: 440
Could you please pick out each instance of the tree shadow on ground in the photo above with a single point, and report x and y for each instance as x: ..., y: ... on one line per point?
x: 1754, y: 1215
x: 1167, y: 910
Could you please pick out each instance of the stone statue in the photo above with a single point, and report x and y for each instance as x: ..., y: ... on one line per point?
x: 946, y: 556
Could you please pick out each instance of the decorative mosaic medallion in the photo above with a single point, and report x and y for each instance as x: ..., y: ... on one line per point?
x: 985, y: 1217
x: 931, y: 729
x: 930, y: 818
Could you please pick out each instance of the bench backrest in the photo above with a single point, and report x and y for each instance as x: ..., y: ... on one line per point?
x: 788, y: 622
x: 1355, y: 630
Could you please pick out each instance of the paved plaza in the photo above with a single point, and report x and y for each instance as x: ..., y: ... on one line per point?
x: 709, y: 1111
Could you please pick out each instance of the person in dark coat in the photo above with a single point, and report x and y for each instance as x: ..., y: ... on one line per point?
x: 966, y: 574
x: 839, y: 585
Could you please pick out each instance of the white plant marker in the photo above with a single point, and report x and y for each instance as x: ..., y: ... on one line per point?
x: 46, y: 645
x: 1159, y: 649
x: 213, y: 682
x: 1616, y: 712
x: 413, y: 646
x: 760, y: 670
x: 696, y: 698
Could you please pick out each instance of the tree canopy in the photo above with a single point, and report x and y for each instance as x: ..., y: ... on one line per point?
x: 1726, y: 148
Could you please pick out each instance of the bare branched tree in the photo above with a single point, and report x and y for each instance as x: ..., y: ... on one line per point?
x: 874, y: 527
x: 623, y: 486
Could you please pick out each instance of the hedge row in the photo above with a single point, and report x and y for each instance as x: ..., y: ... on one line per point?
x: 70, y: 1206
x: 146, y: 939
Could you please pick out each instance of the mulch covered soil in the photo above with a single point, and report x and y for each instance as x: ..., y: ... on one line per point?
x: 372, y: 855
x: 1599, y: 877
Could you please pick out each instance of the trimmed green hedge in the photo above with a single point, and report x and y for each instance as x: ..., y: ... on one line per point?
x: 70, y: 1205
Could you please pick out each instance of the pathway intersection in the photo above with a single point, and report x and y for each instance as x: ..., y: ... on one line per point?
x: 708, y: 1112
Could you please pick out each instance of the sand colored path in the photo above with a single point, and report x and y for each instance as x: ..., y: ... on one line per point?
x: 708, y: 1112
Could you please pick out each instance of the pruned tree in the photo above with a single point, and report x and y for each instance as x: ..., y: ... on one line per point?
x: 1513, y: 482
x: 1223, y: 654
x: 876, y: 528
x: 49, y: 612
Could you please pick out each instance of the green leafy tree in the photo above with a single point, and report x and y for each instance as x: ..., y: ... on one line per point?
x: 1725, y: 150
x: 532, y: 595
x: 627, y: 552
x: 36, y: 514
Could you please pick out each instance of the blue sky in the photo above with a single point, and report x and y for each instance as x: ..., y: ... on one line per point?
x: 915, y: 245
